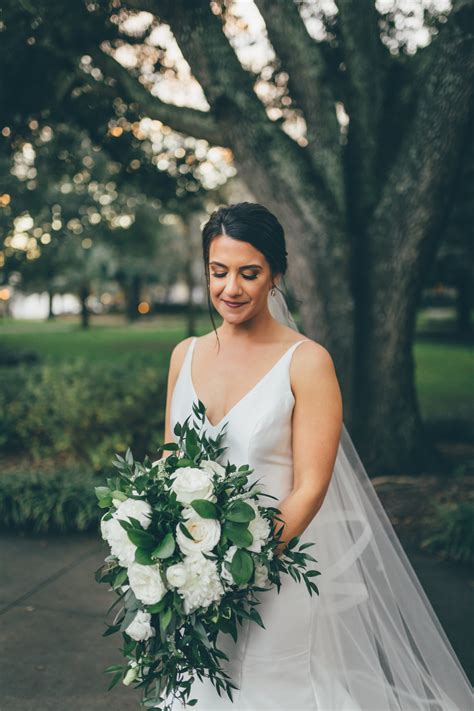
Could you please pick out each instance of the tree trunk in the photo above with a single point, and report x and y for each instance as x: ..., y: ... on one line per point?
x: 362, y: 223
x: 190, y: 284
x: 132, y: 295
x: 464, y: 291
x: 83, y: 294
x: 50, y: 304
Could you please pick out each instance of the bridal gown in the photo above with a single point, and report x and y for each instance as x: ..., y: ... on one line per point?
x: 272, y: 666
x: 370, y: 641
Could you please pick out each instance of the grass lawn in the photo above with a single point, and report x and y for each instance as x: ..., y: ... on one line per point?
x: 444, y: 370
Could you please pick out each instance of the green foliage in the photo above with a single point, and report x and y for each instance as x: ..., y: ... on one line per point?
x: 453, y: 536
x: 80, y: 410
x: 45, y: 502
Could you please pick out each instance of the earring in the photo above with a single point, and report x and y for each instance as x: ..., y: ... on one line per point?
x: 272, y: 291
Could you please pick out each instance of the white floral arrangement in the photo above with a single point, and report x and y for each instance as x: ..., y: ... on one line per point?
x: 191, y: 547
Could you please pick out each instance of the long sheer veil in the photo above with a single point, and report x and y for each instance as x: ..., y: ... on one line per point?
x: 376, y: 639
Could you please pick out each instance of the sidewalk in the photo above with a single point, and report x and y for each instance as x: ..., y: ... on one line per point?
x: 52, y: 653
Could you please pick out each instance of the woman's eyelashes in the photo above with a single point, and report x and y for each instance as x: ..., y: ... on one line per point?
x: 245, y: 276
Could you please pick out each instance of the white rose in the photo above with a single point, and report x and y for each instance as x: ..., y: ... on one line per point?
x: 136, y: 508
x: 213, y: 467
x: 176, y: 575
x: 190, y: 483
x: 202, y: 586
x: 259, y: 527
x: 116, y: 536
x: 206, y: 533
x: 120, y: 544
x: 140, y: 628
x: 146, y: 583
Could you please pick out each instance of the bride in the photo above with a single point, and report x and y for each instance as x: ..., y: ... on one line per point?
x: 371, y: 640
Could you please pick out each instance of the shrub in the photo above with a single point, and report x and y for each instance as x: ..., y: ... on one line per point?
x: 82, y: 412
x: 49, y: 502
x: 453, y: 535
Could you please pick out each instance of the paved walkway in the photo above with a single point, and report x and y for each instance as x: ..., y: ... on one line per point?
x: 52, y: 653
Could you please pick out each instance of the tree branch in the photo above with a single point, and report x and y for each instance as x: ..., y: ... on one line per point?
x: 417, y: 191
x: 310, y: 86
x: 190, y: 121
x: 366, y: 63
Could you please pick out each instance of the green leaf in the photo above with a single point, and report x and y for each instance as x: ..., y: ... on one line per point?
x: 241, y: 567
x: 143, y: 557
x: 185, y: 531
x: 171, y: 446
x: 114, y: 681
x: 116, y: 494
x: 238, y: 533
x: 158, y: 606
x: 120, y: 578
x: 240, y: 512
x: 141, y: 538
x: 293, y: 542
x: 165, y: 618
x: 102, y: 491
x: 205, y: 509
x: 166, y: 548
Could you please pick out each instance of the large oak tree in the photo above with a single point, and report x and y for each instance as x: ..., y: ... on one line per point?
x: 363, y: 217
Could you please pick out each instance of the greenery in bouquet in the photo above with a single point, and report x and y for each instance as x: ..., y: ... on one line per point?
x: 191, y: 547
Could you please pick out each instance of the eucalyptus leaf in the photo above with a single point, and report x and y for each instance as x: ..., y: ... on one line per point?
x: 205, y: 508
x: 241, y: 567
x: 240, y: 512
x: 238, y: 533
x: 141, y: 538
x: 166, y: 548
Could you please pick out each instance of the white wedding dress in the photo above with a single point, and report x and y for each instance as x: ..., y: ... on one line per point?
x: 329, y: 652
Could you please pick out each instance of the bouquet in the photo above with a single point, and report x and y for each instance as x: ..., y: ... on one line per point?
x: 190, y: 547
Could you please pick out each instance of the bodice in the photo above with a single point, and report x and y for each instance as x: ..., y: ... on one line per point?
x: 257, y: 428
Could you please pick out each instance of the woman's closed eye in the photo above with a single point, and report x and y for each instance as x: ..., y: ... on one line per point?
x: 245, y: 276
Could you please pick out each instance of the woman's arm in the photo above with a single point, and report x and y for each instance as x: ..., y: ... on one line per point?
x: 316, y: 429
x: 176, y: 361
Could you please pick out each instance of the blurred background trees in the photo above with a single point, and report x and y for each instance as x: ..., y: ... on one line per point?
x: 124, y: 123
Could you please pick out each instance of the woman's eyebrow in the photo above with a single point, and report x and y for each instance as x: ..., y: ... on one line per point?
x: 245, y: 266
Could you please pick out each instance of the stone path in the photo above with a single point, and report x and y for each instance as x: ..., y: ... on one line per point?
x: 53, y: 655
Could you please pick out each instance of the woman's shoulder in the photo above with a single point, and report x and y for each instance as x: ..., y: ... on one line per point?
x: 177, y: 356
x: 311, y: 358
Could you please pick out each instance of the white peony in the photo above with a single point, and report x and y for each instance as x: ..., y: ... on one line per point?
x: 206, y: 533
x: 146, y: 582
x: 213, y: 467
x: 190, y: 483
x: 260, y: 529
x: 140, y: 628
x: 176, y: 575
x: 202, y: 586
x: 116, y: 536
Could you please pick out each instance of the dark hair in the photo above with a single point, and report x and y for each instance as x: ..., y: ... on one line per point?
x: 248, y: 222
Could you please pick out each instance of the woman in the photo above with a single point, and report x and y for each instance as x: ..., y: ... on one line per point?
x: 370, y: 640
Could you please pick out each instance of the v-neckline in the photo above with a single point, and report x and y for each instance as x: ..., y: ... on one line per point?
x: 247, y: 394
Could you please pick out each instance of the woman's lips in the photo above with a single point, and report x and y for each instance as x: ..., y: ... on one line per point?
x: 234, y: 304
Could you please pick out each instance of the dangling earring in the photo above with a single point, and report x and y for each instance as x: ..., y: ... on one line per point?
x: 272, y: 291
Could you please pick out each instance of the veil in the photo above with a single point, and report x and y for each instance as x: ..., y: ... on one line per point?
x: 376, y: 639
